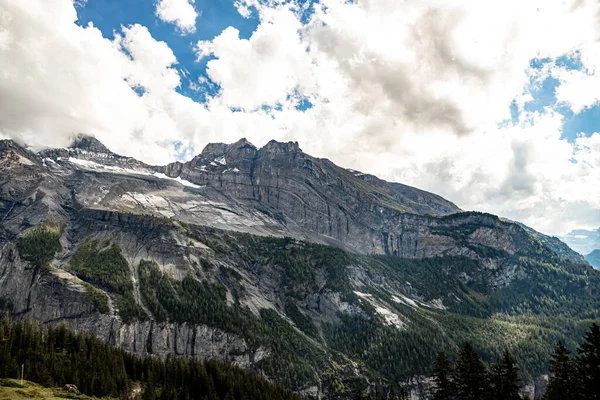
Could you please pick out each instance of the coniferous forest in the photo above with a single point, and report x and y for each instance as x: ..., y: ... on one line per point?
x: 574, y: 377
x: 55, y: 356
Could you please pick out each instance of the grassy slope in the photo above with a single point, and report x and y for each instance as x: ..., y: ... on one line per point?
x: 11, y: 389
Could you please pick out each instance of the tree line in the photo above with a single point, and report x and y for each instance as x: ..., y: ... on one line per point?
x: 55, y: 355
x: 571, y: 378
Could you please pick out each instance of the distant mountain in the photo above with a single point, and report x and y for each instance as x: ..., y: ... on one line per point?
x: 594, y: 258
x: 323, y: 279
x: 583, y: 241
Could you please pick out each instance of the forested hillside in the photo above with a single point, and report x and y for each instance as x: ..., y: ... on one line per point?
x: 55, y: 356
x: 328, y: 282
x: 572, y: 378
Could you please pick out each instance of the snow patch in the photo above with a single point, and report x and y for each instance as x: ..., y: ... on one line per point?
x: 94, y: 165
x: 178, y: 179
x: 111, y: 168
x: 221, y: 160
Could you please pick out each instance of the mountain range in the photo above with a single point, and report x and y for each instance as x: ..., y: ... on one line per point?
x: 324, y: 279
x: 594, y: 258
x: 585, y: 242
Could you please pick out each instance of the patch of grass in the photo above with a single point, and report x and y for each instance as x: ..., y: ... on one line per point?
x: 103, y: 265
x: 39, y: 245
x: 10, y: 383
x: 11, y: 389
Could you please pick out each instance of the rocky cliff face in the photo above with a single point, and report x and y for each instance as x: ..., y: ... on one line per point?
x: 225, y: 259
x: 322, y: 200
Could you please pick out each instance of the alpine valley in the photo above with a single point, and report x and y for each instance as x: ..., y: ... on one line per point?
x: 326, y: 280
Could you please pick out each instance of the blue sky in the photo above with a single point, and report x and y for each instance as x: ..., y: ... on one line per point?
x: 586, y: 122
x: 216, y: 15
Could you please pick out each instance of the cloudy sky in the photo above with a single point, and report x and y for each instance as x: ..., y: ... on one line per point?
x: 493, y: 104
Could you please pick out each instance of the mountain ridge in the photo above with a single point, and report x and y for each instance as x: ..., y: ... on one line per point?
x: 594, y: 258
x: 583, y: 241
x: 290, y: 266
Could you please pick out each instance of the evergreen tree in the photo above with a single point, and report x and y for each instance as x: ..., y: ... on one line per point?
x: 56, y: 356
x: 150, y: 389
x: 504, y: 379
x: 470, y: 375
x: 563, y: 374
x: 588, y: 364
x: 444, y: 385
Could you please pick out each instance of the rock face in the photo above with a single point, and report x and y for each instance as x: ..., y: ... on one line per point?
x: 410, y: 260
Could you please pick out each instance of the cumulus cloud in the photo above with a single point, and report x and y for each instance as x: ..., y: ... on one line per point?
x: 262, y: 70
x: 416, y: 92
x: 70, y: 79
x: 179, y: 12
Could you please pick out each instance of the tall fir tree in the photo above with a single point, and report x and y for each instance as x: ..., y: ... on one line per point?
x: 504, y: 379
x: 470, y: 375
x: 563, y: 376
x: 588, y: 364
x: 442, y: 375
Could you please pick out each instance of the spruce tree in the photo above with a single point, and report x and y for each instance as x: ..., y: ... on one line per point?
x: 470, y: 375
x: 504, y: 379
x: 588, y: 364
x: 442, y: 375
x: 563, y: 374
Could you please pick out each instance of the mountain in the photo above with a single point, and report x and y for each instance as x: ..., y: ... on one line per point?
x: 582, y: 240
x: 594, y: 258
x: 323, y: 279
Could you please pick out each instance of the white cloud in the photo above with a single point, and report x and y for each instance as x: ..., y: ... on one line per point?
x: 411, y: 91
x: 179, y: 12
x: 261, y: 70
x: 70, y: 80
x: 580, y: 89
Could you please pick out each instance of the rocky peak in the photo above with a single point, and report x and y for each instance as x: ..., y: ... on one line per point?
x: 214, y: 150
x: 12, y: 151
x: 281, y: 147
x: 89, y: 143
x: 240, y: 151
x: 10, y: 145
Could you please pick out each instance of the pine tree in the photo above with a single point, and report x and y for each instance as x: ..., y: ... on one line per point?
x: 563, y: 373
x: 470, y: 375
x: 504, y: 379
x: 444, y: 385
x: 150, y: 390
x: 588, y: 364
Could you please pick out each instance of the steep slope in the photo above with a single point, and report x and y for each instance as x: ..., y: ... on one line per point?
x: 227, y: 257
x: 311, y: 195
x: 594, y: 258
x: 555, y: 244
